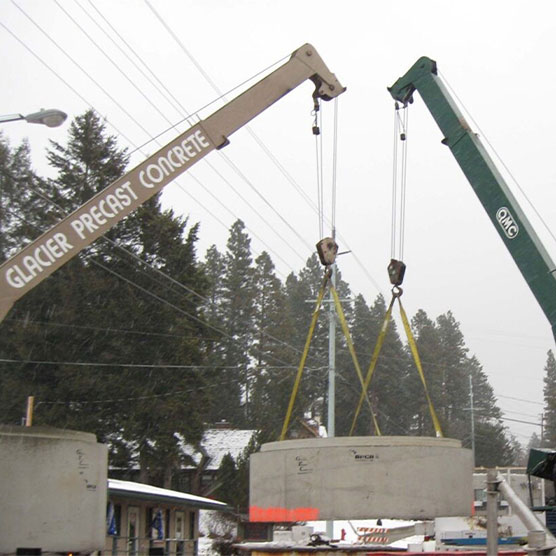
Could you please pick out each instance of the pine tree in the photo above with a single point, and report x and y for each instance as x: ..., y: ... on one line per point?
x: 452, y: 357
x: 348, y: 387
x: 389, y: 385
x: 97, y: 310
x: 273, y: 359
x: 428, y: 341
x: 231, y: 402
x: 24, y: 207
x: 386, y: 389
x: 90, y: 161
x: 301, y: 293
x: 549, y: 439
x: 214, y: 267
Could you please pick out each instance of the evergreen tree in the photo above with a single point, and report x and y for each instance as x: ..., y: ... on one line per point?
x: 24, y: 208
x: 274, y: 360
x: 301, y: 293
x: 494, y: 446
x: 427, y: 339
x: 388, y: 387
x: 214, y: 267
x: 348, y: 387
x: 231, y: 402
x: 90, y: 161
x: 549, y: 439
x: 455, y: 379
x: 232, y: 478
x: 534, y: 443
x: 97, y: 310
x: 493, y: 442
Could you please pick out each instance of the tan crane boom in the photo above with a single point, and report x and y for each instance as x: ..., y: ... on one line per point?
x: 51, y: 250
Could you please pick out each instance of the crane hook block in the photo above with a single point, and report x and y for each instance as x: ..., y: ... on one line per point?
x: 327, y: 249
x: 396, y: 272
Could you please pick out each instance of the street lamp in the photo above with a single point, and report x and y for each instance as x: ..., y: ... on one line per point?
x: 50, y: 118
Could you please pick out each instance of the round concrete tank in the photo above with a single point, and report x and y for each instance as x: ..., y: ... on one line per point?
x: 403, y: 477
x: 53, y: 490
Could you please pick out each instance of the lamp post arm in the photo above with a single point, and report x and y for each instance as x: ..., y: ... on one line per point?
x: 11, y: 118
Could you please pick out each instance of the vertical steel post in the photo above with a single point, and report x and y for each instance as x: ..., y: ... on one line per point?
x: 472, y: 418
x: 331, y: 425
x: 492, y: 512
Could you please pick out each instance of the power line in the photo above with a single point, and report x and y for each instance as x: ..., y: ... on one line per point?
x: 272, y: 157
x: 126, y: 365
x: 26, y: 323
x: 109, y: 58
x: 520, y: 421
x: 142, y: 365
x: 144, y: 290
x: 79, y: 66
x: 520, y: 400
x: 158, y: 85
x: 282, y: 169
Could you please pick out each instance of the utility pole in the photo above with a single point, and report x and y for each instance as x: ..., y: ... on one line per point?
x: 331, y: 425
x: 472, y: 412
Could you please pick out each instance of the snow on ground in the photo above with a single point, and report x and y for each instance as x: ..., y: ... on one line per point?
x: 212, y: 525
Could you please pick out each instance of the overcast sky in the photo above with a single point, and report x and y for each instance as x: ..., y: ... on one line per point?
x: 497, y: 56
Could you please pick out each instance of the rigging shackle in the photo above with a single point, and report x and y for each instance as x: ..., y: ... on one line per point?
x: 397, y: 292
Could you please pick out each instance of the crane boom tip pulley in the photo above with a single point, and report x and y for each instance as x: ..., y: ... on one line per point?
x: 326, y: 83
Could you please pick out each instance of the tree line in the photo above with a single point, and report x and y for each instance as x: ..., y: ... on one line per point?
x: 145, y: 343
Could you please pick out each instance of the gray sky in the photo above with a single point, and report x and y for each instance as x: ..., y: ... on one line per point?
x: 497, y: 56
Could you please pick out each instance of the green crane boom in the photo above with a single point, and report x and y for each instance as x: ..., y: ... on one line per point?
x: 508, y: 218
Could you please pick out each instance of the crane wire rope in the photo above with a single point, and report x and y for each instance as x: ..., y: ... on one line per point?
x: 334, y: 166
x: 399, y: 184
x: 396, y: 270
x: 317, y: 123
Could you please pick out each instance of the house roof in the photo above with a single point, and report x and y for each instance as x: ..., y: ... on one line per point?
x: 220, y: 441
x: 129, y: 489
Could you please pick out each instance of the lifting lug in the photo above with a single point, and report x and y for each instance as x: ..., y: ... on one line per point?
x: 396, y: 272
x: 327, y: 249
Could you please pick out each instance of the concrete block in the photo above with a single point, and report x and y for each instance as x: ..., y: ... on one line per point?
x: 360, y: 478
x: 53, y: 490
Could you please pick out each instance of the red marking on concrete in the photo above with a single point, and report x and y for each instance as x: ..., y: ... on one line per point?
x: 283, y: 514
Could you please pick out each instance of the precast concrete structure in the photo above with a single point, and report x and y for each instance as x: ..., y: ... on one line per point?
x: 360, y: 477
x: 52, y: 491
